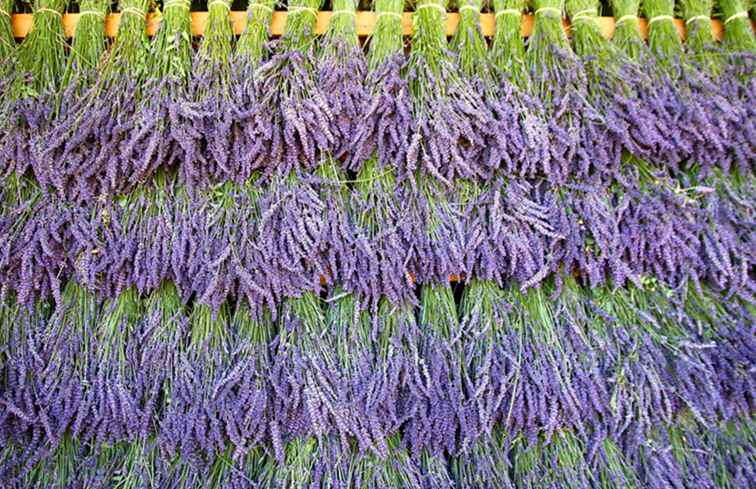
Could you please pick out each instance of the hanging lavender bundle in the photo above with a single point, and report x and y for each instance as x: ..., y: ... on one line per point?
x: 658, y: 94
x: 34, y: 94
x: 193, y: 425
x: 385, y: 127
x: 8, y: 53
x: 688, y: 455
x: 86, y: 145
x: 729, y: 218
x: 128, y: 242
x: 87, y: 48
x: 296, y: 127
x: 558, y: 81
x: 385, y: 237
x: 36, y: 236
x: 520, y: 118
x: 155, y: 140
x: 349, y: 377
x: 452, y: 132
x: 562, y: 461
x: 735, y: 74
x: 626, y: 123
x: 440, y: 413
x: 384, y: 233
x: 707, y: 117
x: 45, y: 379
x: 299, y: 409
x: 485, y: 374
x: 341, y: 75
x: 739, y: 36
x: 205, y: 116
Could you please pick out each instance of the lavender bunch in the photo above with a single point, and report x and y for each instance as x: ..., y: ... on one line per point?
x: 452, y: 132
x: 194, y: 419
x: 250, y: 119
x: 521, y: 237
x: 728, y: 236
x: 385, y: 237
x: 341, y: 74
x: 44, y: 380
x: 707, y: 116
x: 437, y: 383
x: 299, y: 406
x: 8, y: 53
x: 626, y: 123
x: 627, y: 35
x: 89, y: 139
x: 508, y: 46
x: 33, y: 95
x: 124, y: 389
x: 484, y: 465
x: 699, y: 39
x: 736, y: 76
x: 684, y: 455
x: 297, y: 130
x: 127, y: 242
x: 36, y: 237
x: 558, y: 81
x: 385, y: 128
x: 562, y: 462
x: 658, y: 94
x: 87, y: 48
x: 520, y: 119
x: 485, y: 380
x: 739, y: 36
x: 155, y: 140
x: 543, y: 361
x: 205, y: 116
x: 88, y: 45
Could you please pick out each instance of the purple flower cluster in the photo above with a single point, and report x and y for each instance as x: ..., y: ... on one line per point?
x: 267, y: 243
x: 595, y: 366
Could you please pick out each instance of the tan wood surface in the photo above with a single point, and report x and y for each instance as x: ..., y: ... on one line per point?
x: 365, y: 23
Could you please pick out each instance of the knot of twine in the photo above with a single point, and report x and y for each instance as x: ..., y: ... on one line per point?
x: 134, y: 11
x: 53, y: 11
x: 508, y: 11
x: 660, y: 17
x: 300, y: 8
x: 695, y: 18
x: 432, y: 5
x: 736, y: 16
x: 96, y: 13
x: 587, y: 14
x: 552, y: 10
x: 176, y: 3
x: 224, y: 3
x: 625, y: 18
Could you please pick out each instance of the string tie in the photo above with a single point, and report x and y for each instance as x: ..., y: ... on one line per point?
x: 134, y: 11
x: 697, y: 17
x: 45, y: 9
x: 432, y: 5
x: 625, y: 18
x: 736, y: 16
x: 660, y: 17
x: 587, y: 14
x: 508, y: 11
x: 552, y: 10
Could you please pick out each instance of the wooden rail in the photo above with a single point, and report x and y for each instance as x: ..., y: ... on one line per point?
x: 365, y: 24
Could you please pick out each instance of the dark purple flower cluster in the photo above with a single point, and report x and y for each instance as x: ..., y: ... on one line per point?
x: 597, y: 366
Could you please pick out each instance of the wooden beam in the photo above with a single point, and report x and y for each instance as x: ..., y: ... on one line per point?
x: 365, y: 24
